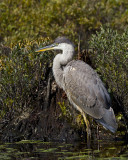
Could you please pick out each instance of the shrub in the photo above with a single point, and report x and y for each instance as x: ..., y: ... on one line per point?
x: 111, y: 61
x: 21, y: 75
x: 29, y: 19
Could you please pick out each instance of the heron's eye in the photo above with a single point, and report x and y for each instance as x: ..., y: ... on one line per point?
x: 55, y: 44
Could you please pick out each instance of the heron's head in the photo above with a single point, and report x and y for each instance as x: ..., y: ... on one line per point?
x: 60, y: 43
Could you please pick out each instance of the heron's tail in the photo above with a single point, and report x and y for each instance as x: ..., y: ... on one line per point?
x: 108, y: 120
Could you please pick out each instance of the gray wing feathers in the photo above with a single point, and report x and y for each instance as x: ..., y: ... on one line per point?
x: 85, y: 89
x: 109, y: 120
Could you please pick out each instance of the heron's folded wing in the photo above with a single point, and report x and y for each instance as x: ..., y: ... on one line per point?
x: 85, y: 89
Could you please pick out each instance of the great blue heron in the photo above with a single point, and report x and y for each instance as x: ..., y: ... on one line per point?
x: 83, y: 87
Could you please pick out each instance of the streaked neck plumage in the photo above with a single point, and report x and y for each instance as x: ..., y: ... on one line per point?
x: 60, y: 61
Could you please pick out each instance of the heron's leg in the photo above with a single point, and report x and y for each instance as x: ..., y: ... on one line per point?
x: 98, y: 137
x: 87, y: 127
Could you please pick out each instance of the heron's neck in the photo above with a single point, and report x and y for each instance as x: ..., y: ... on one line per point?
x: 59, y: 61
x: 62, y: 59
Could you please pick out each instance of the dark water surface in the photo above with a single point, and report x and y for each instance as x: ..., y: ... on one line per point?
x: 38, y: 150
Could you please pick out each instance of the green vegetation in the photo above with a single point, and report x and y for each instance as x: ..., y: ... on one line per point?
x: 65, y: 110
x: 29, y: 19
x: 68, y: 115
x: 27, y: 24
x: 21, y: 72
x: 111, y: 61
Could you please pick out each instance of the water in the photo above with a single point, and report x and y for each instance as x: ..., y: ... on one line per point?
x: 38, y: 150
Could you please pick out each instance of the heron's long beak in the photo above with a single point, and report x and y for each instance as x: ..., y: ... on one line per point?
x: 50, y: 47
